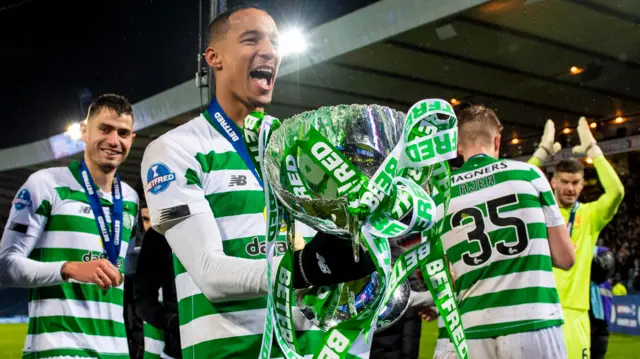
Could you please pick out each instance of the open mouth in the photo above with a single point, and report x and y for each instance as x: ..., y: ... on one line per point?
x: 263, y: 77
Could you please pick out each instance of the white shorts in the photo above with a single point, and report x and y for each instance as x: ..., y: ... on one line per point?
x: 547, y: 343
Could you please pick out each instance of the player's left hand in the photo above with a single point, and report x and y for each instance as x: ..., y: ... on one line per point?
x: 588, y: 144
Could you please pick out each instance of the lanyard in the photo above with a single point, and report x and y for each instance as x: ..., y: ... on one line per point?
x: 110, y: 239
x: 572, y: 217
x: 219, y: 120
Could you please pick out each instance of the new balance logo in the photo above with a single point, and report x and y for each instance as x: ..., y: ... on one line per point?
x: 238, y: 180
x: 323, y: 265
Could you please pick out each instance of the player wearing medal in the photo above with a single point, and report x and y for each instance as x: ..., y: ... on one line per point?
x: 585, y: 221
x: 503, y: 233
x: 205, y: 196
x: 66, y: 239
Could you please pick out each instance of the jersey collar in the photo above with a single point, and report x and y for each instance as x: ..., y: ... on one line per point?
x: 478, y: 160
x: 74, y: 167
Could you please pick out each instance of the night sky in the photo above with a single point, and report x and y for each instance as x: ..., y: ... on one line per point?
x: 56, y: 55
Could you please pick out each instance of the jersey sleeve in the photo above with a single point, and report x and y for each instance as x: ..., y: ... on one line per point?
x: 28, y: 217
x: 172, y: 186
x: 607, y: 205
x: 31, y: 207
x: 550, y: 208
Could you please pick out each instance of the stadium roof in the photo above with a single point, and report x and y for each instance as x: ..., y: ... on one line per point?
x: 514, y: 56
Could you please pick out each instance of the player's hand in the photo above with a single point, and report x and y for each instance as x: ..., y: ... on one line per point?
x: 429, y: 313
x: 588, y: 144
x: 328, y: 260
x: 548, y: 146
x: 100, y: 272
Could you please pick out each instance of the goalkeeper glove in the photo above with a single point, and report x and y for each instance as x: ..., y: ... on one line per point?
x: 588, y: 143
x: 547, y: 146
x: 328, y: 260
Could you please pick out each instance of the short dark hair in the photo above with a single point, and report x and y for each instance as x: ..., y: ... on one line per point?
x: 219, y: 26
x: 569, y: 166
x: 478, y: 122
x: 114, y: 102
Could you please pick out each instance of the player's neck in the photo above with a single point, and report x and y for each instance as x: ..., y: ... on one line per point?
x: 477, y: 150
x: 565, y: 205
x: 232, y: 107
x: 101, y: 177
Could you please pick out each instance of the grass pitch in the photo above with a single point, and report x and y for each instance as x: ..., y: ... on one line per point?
x: 620, y: 346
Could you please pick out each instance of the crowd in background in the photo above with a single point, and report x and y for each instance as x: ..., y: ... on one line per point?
x: 622, y: 234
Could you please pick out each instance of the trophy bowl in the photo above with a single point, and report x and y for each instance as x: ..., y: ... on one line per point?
x: 365, y: 135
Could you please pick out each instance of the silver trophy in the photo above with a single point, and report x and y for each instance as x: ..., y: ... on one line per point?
x: 365, y: 135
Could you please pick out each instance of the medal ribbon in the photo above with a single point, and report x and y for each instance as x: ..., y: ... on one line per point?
x: 111, y: 239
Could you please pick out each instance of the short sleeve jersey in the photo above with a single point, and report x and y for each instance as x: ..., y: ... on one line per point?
x: 495, y: 235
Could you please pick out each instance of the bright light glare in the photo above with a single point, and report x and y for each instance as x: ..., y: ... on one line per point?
x: 292, y: 41
x: 589, y: 160
x: 574, y: 70
x: 73, y: 131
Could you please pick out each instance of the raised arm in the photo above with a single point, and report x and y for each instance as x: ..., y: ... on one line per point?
x: 607, y: 204
x: 547, y: 146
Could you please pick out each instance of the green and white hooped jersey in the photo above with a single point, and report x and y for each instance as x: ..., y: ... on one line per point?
x: 154, y: 339
x: 153, y: 342
x: 193, y: 169
x: 71, y: 319
x: 495, y: 236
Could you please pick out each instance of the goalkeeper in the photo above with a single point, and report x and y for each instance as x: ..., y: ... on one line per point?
x: 585, y: 221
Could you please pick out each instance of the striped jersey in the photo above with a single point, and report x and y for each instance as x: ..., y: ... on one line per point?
x: 194, y: 165
x: 71, y: 319
x: 154, y: 339
x: 495, y: 236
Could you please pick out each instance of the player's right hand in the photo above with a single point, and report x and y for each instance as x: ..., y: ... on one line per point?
x: 100, y: 272
x: 548, y: 146
x: 588, y: 144
x: 328, y: 260
x: 429, y: 313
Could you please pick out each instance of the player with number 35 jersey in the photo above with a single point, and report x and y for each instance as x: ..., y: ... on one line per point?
x: 503, y: 233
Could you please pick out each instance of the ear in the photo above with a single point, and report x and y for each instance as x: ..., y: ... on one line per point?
x: 553, y: 182
x: 496, y: 145
x: 213, y: 57
x: 83, y: 130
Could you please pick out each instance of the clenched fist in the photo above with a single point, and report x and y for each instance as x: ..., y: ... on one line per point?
x: 100, y: 272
